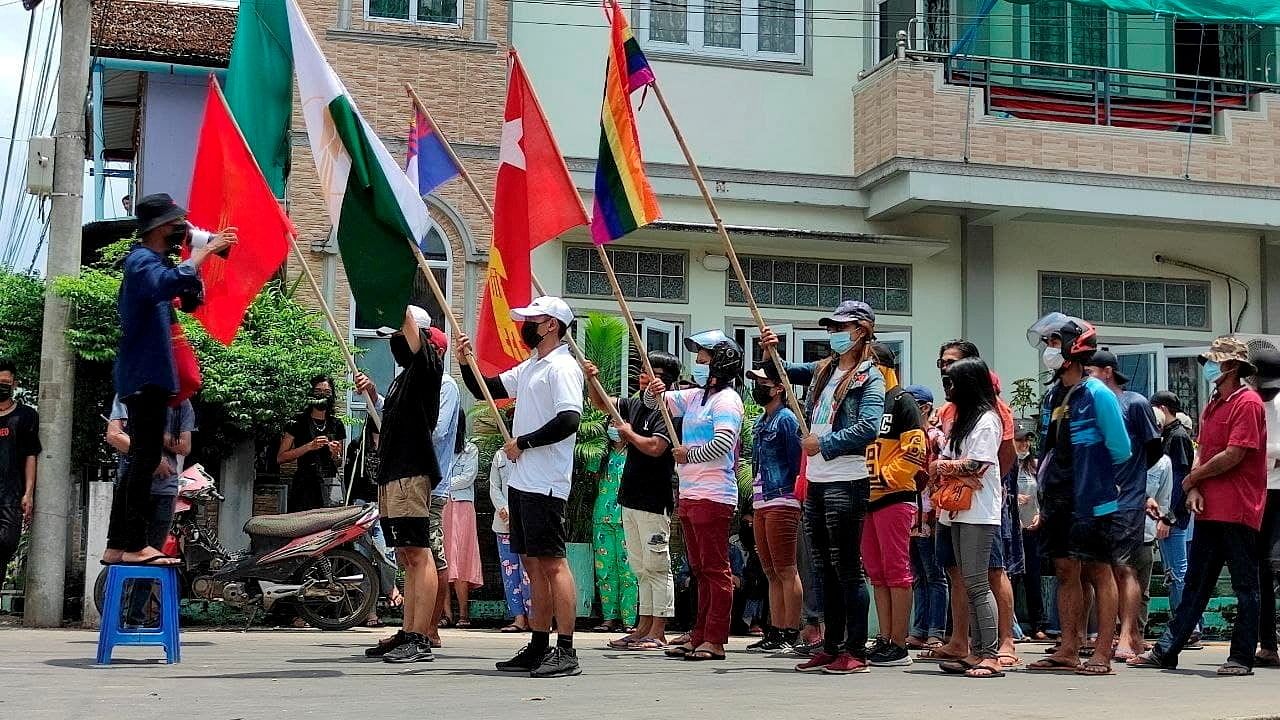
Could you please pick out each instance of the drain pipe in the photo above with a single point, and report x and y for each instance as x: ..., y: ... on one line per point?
x: 1232, y: 325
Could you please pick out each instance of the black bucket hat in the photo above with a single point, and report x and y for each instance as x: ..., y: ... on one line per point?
x: 155, y: 210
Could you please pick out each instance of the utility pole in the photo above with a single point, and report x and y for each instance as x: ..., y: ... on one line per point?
x: 46, y: 564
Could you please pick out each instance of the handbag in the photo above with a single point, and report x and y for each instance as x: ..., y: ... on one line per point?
x: 953, y: 496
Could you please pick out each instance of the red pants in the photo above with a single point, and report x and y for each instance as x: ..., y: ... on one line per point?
x: 706, y: 539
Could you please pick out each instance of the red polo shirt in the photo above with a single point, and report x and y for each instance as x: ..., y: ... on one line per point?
x: 1236, y: 496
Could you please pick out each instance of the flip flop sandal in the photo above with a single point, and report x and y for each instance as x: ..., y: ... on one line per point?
x: 1092, y: 668
x: 645, y: 644
x: 914, y: 644
x: 679, y: 651
x: 1231, y: 668
x: 934, y: 655
x: 463, y: 624
x: 982, y: 672
x: 623, y: 643
x: 604, y: 628
x: 702, y: 656
x: 1053, y: 664
x: 513, y: 629
x: 1266, y: 661
x: 955, y: 667
x: 1007, y: 661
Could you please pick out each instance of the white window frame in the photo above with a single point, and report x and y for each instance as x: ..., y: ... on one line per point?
x: 648, y: 325
x: 1163, y: 354
x: 695, y: 12
x: 355, y: 401
x: 413, y: 16
x: 904, y: 357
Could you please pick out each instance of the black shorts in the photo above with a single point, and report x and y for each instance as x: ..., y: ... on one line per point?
x: 1055, y: 528
x: 1092, y: 539
x: 1127, y: 530
x: 537, y: 523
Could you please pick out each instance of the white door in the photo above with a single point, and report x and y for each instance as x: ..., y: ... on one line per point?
x: 660, y: 335
x: 900, y: 343
x: 1145, y: 367
x: 1185, y: 378
x: 756, y: 355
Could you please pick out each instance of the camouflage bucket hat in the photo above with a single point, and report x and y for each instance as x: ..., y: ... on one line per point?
x: 1228, y: 348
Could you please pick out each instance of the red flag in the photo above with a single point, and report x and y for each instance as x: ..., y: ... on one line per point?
x: 535, y: 201
x: 228, y: 190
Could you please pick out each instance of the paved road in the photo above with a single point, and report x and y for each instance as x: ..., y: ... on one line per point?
x: 307, y: 673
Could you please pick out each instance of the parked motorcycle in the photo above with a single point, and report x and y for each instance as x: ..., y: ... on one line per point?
x: 308, y: 559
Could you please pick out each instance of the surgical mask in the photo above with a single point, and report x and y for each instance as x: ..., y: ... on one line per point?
x: 400, y: 351
x: 1212, y: 372
x: 701, y: 373
x: 529, y: 334
x: 1162, y: 418
x: 6, y: 392
x: 841, y: 342
x: 762, y: 394
x: 612, y: 432
x: 1053, y: 358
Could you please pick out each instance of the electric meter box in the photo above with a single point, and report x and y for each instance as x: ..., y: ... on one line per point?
x: 40, y: 166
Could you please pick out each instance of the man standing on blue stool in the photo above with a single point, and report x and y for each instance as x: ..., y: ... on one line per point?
x: 145, y: 373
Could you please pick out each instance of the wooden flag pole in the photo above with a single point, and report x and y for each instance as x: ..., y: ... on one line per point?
x: 792, y: 400
x: 338, y: 333
x: 488, y: 208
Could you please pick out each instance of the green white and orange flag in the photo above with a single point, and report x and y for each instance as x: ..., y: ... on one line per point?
x: 374, y: 208
x: 624, y: 200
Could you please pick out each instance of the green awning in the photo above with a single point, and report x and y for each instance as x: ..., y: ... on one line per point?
x: 1263, y: 12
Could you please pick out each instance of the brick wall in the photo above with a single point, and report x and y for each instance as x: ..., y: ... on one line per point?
x: 906, y: 111
x: 462, y: 81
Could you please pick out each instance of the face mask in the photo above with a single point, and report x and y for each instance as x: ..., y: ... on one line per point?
x: 320, y: 401
x: 1212, y: 372
x: 176, y: 237
x: 6, y: 392
x: 701, y: 373
x: 761, y: 394
x: 612, y: 432
x: 1053, y: 358
x: 400, y: 351
x: 529, y: 334
x: 1162, y: 418
x: 841, y: 342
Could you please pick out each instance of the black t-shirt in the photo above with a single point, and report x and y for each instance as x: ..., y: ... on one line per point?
x: 19, y: 440
x: 409, y: 417
x: 646, y: 480
x: 1057, y: 467
x: 319, y: 463
x: 1182, y: 454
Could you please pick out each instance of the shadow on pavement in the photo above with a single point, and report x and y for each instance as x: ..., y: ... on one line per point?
x: 268, y: 675
x: 91, y: 663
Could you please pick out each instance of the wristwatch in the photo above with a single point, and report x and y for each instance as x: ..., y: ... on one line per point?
x: 1168, y: 519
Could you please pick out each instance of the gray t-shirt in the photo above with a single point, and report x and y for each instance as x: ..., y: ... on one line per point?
x: 178, y: 420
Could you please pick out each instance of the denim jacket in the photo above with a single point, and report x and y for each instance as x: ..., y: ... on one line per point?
x: 857, y: 420
x: 775, y: 452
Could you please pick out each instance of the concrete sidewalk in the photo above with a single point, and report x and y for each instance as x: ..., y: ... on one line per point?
x: 308, y: 673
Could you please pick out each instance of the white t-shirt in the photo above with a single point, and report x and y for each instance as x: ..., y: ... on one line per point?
x: 845, y: 467
x: 544, y: 387
x: 983, y: 445
x: 1272, y: 412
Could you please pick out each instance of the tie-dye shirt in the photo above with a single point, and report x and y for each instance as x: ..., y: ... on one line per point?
x: 714, y: 480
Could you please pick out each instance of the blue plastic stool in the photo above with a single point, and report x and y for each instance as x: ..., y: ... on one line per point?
x: 112, y: 633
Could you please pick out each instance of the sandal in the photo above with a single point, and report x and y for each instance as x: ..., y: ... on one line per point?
x: 1053, y: 664
x: 513, y: 629
x: 677, y: 652
x: 462, y: 624
x: 445, y: 621
x: 1008, y: 660
x: 1265, y: 658
x: 1095, y: 668
x: 703, y: 655
x: 644, y: 644
x: 1150, y: 660
x: 955, y: 667
x: 622, y: 643
x: 982, y: 672
x: 936, y: 655
x: 1231, y: 668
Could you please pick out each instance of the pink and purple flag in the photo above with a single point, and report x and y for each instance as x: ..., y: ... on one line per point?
x: 429, y: 165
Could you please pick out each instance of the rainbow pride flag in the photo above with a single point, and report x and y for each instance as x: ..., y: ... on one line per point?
x: 624, y: 200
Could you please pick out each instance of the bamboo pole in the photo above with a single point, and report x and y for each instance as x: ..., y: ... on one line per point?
x: 792, y: 400
x: 488, y: 208
x: 338, y: 333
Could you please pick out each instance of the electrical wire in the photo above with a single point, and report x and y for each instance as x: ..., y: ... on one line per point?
x: 17, y: 112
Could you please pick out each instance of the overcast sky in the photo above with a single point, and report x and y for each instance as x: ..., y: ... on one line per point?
x: 13, y: 39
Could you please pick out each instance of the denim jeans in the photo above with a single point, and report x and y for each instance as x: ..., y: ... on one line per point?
x: 929, y: 618
x: 1173, y: 555
x: 1217, y: 544
x: 810, y: 579
x: 835, y: 512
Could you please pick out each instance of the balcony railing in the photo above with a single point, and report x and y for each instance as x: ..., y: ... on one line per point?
x: 1092, y: 95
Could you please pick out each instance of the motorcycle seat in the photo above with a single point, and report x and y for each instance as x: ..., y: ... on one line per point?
x: 292, y: 525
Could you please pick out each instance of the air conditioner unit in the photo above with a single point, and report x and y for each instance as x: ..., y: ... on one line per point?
x: 1259, y: 342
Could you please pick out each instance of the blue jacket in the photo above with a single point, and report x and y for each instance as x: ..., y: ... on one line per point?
x: 857, y: 420
x: 775, y: 452
x: 151, y: 282
x: 1084, y: 440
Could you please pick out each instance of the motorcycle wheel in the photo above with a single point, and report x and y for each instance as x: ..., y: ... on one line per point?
x: 358, y: 576
x: 100, y: 588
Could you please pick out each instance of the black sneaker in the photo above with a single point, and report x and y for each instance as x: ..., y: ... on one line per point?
x: 558, y: 662
x: 386, y: 645
x: 807, y: 649
x: 524, y: 661
x: 415, y: 649
x: 766, y: 644
x: 890, y: 655
x: 878, y: 645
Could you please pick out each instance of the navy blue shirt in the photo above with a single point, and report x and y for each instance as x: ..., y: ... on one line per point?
x: 1131, y: 475
x: 151, y: 282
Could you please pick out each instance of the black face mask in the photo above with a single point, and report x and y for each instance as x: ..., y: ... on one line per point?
x: 320, y: 401
x: 176, y: 238
x: 1268, y: 394
x: 400, y: 351
x: 762, y: 395
x: 6, y: 392
x: 529, y: 334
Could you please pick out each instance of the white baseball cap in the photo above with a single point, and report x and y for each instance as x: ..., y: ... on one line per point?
x: 421, y: 318
x: 545, y: 305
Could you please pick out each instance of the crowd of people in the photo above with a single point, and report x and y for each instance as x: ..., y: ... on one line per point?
x: 940, y: 506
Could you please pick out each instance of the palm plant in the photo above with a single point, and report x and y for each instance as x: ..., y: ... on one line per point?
x: 603, y: 337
